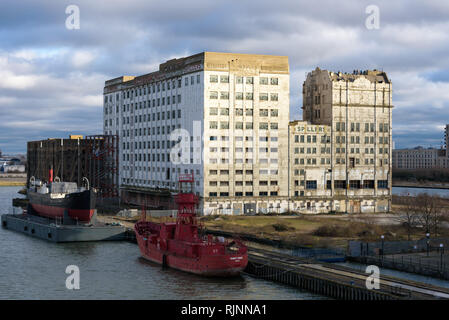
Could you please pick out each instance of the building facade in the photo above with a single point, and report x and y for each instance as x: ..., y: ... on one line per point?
x: 340, y: 154
x: 221, y: 116
x: 225, y: 118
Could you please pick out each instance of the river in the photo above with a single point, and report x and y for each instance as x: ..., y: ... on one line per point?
x: 414, y: 191
x: 31, y: 268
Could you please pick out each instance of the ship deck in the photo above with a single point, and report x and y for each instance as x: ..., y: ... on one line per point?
x: 52, y: 230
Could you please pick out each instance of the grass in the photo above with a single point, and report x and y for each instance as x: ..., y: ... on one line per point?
x: 317, y: 231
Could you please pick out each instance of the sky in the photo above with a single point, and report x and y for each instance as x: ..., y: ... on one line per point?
x: 52, y: 77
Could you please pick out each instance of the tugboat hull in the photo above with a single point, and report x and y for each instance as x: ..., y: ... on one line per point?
x: 80, y: 205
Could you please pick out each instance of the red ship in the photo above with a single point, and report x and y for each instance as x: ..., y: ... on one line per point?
x: 178, y: 244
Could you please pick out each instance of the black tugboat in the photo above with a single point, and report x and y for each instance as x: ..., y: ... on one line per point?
x: 52, y: 199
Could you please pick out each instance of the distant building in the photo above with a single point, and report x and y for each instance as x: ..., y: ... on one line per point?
x: 422, y: 158
x: 13, y: 168
x: 4, y: 162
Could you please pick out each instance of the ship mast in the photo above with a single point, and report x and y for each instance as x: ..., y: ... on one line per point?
x: 186, y: 224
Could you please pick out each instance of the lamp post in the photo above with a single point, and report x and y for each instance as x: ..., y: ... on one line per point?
x: 382, y: 237
x: 427, y: 242
x: 441, y: 256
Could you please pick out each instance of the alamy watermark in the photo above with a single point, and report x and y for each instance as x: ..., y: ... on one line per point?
x: 373, y: 280
x: 72, y: 282
x: 372, y: 22
x: 72, y: 22
x: 245, y: 146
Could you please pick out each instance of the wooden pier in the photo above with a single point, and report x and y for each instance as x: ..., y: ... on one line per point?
x: 333, y: 280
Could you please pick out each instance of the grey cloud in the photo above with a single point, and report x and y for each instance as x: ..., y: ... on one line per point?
x: 133, y: 37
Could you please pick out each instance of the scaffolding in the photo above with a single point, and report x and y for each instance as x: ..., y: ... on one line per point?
x: 95, y: 157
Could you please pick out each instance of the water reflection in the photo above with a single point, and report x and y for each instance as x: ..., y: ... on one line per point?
x: 31, y: 268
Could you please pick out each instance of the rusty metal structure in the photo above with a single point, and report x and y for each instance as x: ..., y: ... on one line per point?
x: 95, y: 157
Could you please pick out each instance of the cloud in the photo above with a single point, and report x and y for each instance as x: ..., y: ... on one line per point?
x: 82, y: 58
x: 52, y: 77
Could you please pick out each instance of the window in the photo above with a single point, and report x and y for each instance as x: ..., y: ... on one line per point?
x: 213, y: 95
x: 263, y: 96
x: 274, y: 81
x: 368, y: 184
x: 274, y: 97
x: 249, y: 80
x: 239, y: 95
x: 224, y: 95
x: 224, y: 125
x: 213, y: 111
x: 382, y: 184
x: 249, y: 96
x: 311, y: 184
x: 213, y: 78
x: 263, y: 112
x: 263, y: 126
x: 354, y: 184
x: 263, y: 80
x: 213, y: 125
x: 340, y: 184
x: 224, y: 79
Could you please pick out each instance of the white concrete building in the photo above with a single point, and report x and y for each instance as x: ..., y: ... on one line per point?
x: 235, y: 110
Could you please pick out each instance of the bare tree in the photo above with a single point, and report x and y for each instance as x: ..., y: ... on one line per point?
x: 408, y: 215
x: 437, y: 216
x: 429, y: 212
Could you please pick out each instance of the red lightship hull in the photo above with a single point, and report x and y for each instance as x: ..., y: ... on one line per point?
x: 202, y: 258
x: 178, y: 245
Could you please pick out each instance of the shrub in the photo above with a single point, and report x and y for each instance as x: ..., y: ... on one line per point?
x: 280, y: 227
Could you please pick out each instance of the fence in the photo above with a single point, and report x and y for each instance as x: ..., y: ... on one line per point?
x: 424, y: 256
x: 321, y: 254
x: 413, y: 264
x: 360, y: 248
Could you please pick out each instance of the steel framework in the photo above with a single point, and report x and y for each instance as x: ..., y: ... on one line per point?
x: 95, y: 157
